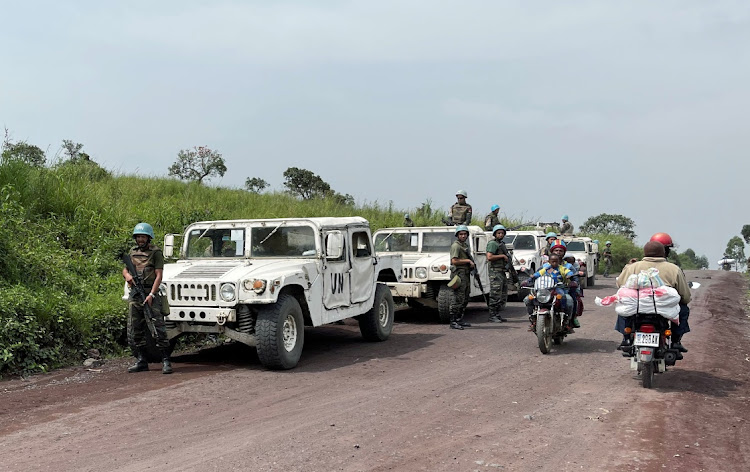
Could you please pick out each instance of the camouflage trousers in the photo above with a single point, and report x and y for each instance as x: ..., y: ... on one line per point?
x: 607, y: 266
x: 460, y: 296
x: 498, y: 290
x: 138, y: 327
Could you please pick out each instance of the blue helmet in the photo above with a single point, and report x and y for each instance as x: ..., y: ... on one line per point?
x: 608, y: 242
x: 596, y: 241
x: 565, y: 217
x: 497, y: 228
x: 460, y: 228
x: 144, y: 228
x: 551, y: 234
x: 494, y: 207
x: 406, y: 216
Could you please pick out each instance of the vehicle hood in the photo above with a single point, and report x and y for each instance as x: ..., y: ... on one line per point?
x: 425, y: 259
x: 236, y: 270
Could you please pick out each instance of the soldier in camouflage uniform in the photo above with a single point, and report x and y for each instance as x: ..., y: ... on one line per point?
x: 460, y: 213
x: 607, y: 258
x: 491, y: 220
x: 567, y: 227
x: 461, y: 266
x: 408, y: 221
x: 499, y: 261
x: 148, y: 261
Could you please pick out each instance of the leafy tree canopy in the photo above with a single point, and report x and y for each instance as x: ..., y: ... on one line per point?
x: 736, y: 250
x: 688, y: 260
x: 22, y: 151
x: 255, y: 184
x: 197, y: 164
x: 746, y: 233
x: 303, y: 183
x: 609, y: 224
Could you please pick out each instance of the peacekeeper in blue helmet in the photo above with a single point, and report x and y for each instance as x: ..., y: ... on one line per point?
x: 498, y: 262
x: 492, y: 220
x: 148, y: 262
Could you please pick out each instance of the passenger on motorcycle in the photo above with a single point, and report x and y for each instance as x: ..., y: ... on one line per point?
x: 559, y: 273
x: 559, y: 249
x: 550, y: 238
x: 655, y: 256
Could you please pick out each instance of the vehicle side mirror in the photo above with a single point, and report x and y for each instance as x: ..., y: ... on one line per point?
x: 334, y: 245
x: 168, y: 249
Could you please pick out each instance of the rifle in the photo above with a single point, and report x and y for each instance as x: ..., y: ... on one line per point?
x: 140, y: 293
x: 478, y: 279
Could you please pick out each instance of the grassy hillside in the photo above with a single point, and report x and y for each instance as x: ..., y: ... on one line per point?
x: 63, y: 228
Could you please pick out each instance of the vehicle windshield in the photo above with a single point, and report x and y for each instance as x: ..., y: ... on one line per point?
x: 216, y: 242
x: 508, y: 239
x: 524, y: 242
x: 282, y: 240
x: 437, y: 242
x: 396, y: 242
x: 578, y: 246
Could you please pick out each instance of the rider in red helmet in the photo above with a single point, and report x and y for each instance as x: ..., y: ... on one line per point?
x: 665, y: 239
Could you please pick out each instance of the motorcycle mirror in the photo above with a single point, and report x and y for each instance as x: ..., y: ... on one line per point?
x: 694, y: 285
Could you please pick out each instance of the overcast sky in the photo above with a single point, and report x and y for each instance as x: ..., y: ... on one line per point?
x: 543, y: 107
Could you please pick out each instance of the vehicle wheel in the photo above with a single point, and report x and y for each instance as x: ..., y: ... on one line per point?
x: 445, y: 295
x: 377, y: 323
x: 280, y: 331
x: 647, y: 374
x: 590, y: 280
x: 543, y: 336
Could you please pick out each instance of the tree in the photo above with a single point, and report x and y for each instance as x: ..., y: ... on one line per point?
x: 746, y: 233
x: 197, y: 164
x: 22, y: 151
x: 609, y: 224
x: 736, y: 250
x: 73, y: 150
x: 689, y: 261
x: 344, y: 199
x: 255, y: 184
x: 305, y: 184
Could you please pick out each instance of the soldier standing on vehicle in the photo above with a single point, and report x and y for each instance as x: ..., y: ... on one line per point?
x: 461, y: 267
x: 460, y: 213
x: 567, y: 228
x: 148, y: 261
x: 407, y: 221
x: 499, y: 260
x: 491, y: 220
x: 607, y: 258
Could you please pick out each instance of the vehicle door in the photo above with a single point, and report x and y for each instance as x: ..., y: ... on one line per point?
x: 478, y: 247
x: 362, y: 274
x: 335, y: 269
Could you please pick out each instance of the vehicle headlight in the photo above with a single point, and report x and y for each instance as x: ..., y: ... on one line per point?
x: 256, y: 285
x: 522, y: 261
x: 227, y: 292
x: 440, y: 268
x: 421, y: 272
x: 543, y: 295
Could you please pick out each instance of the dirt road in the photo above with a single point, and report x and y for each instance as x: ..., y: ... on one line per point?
x: 429, y: 398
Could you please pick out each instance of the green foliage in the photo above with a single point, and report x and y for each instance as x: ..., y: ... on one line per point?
x: 24, y: 152
x: 609, y: 224
x: 688, y: 260
x: 623, y: 249
x: 194, y: 165
x: 746, y: 233
x: 736, y: 250
x: 305, y: 184
x: 255, y: 184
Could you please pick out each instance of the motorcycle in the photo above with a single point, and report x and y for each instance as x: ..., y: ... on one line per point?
x: 550, y: 319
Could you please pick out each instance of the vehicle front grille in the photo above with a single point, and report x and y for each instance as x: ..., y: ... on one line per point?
x: 193, y: 293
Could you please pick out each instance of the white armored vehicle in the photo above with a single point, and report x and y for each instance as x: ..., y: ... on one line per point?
x: 426, y: 264
x: 527, y: 251
x: 260, y: 282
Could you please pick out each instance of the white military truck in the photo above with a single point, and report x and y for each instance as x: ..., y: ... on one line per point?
x: 584, y: 250
x: 527, y: 251
x: 260, y: 282
x: 426, y: 264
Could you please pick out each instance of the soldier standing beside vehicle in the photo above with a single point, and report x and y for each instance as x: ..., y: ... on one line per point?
x: 567, y: 227
x: 461, y: 267
x: 148, y: 261
x: 460, y: 212
x: 491, y: 220
x: 408, y: 223
x: 498, y: 257
x: 607, y: 258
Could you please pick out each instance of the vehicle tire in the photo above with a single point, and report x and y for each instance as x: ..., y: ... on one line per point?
x: 590, y: 280
x: 280, y: 332
x: 647, y: 374
x: 445, y: 295
x: 377, y: 323
x: 544, y: 339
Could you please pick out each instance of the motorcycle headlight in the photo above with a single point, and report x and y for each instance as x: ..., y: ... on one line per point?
x: 256, y: 285
x: 227, y: 292
x: 421, y: 272
x: 543, y: 295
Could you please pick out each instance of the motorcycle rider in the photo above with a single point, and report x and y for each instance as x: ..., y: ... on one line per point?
x: 558, y: 273
x: 559, y: 249
x: 655, y: 256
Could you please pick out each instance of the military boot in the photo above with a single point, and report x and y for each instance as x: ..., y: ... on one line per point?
x: 166, y: 365
x: 141, y: 365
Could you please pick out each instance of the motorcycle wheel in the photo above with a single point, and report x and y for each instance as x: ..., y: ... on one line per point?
x: 543, y: 336
x: 647, y: 374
